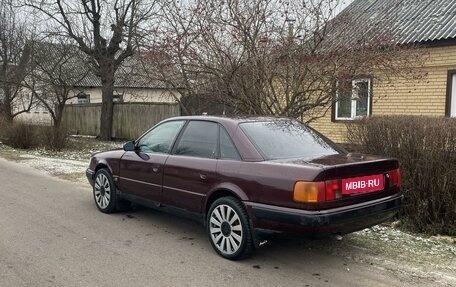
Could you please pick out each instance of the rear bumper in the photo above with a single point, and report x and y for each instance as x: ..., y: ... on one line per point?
x: 320, y: 223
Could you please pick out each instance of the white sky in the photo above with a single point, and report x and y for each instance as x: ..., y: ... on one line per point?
x: 343, y: 4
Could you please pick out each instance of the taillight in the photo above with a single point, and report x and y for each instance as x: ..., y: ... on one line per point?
x: 305, y: 191
x: 333, y: 189
x: 310, y: 192
x: 394, y: 178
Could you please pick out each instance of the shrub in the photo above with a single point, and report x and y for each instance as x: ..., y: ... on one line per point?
x: 26, y: 136
x: 2, y: 127
x: 426, y: 150
x: 51, y: 138
x: 19, y: 135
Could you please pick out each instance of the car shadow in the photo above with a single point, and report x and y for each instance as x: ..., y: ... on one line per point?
x: 188, y: 227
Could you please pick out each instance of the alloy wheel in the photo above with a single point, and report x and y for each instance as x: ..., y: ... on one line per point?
x: 225, y: 229
x: 102, y: 191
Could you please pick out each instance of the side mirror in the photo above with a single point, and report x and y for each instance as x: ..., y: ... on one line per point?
x: 129, y: 146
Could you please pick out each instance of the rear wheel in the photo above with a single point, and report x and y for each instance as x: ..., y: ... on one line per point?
x: 104, y: 192
x: 229, y: 229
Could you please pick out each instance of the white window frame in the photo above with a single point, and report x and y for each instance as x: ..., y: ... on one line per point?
x: 452, y: 91
x: 354, y: 101
x: 85, y: 101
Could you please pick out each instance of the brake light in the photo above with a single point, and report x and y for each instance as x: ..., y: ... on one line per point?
x: 395, y: 178
x: 333, y: 190
x: 311, y: 192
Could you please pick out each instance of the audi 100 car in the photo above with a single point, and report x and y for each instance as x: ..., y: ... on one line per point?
x: 246, y: 177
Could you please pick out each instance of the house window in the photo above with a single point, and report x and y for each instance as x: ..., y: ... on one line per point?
x: 83, y: 98
x: 117, y: 98
x: 354, y: 100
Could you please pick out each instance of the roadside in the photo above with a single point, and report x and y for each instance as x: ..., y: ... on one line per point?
x: 387, y: 247
x: 69, y: 164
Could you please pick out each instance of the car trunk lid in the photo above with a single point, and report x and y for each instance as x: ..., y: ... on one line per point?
x: 347, y: 179
x: 353, y: 165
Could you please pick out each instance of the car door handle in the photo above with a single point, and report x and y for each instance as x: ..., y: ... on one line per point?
x: 203, y: 176
x: 155, y: 169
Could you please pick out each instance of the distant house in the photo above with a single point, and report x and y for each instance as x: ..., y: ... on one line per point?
x: 428, y: 24
x: 75, y: 72
x: 129, y: 86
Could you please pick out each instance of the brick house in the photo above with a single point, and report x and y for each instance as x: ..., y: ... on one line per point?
x: 429, y: 25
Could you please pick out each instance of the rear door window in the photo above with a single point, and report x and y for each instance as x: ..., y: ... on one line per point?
x: 199, y: 139
x: 227, y: 148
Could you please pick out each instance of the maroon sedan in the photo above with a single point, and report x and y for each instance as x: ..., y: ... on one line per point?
x: 245, y: 177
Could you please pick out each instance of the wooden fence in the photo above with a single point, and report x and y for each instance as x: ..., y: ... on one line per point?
x: 130, y: 119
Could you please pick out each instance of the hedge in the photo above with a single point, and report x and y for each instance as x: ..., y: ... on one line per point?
x: 426, y: 150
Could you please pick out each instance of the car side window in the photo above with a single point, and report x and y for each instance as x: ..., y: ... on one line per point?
x: 161, y: 138
x: 227, y: 148
x: 199, y: 139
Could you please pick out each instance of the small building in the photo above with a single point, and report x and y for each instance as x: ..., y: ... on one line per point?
x: 428, y: 25
x: 126, y: 89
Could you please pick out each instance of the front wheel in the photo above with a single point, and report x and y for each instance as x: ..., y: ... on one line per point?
x: 229, y: 229
x: 104, y: 191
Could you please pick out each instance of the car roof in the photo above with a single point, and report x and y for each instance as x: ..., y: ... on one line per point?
x: 230, y: 120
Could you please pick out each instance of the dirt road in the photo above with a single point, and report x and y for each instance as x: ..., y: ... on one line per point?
x: 51, y: 234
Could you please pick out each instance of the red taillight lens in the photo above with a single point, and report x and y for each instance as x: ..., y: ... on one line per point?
x: 333, y: 189
x: 395, y: 178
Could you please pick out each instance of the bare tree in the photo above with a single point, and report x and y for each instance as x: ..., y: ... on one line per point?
x: 14, y: 57
x: 266, y: 57
x: 107, y: 31
x: 57, y: 70
x: 166, y: 57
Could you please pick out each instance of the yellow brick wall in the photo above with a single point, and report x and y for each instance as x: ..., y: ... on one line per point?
x: 398, y: 96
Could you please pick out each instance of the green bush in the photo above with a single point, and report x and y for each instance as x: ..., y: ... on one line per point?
x: 426, y: 150
x: 25, y: 136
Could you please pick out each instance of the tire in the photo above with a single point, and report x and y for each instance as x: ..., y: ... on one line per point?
x: 228, y: 228
x: 104, y: 192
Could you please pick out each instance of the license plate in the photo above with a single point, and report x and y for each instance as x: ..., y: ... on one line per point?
x: 362, y: 184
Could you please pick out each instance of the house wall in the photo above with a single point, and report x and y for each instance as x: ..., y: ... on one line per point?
x: 38, y: 116
x: 425, y: 96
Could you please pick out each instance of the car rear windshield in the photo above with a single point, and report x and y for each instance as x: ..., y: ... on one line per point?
x: 287, y: 139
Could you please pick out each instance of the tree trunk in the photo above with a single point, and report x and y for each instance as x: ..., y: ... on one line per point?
x: 58, y: 115
x: 7, y: 107
x: 107, y: 106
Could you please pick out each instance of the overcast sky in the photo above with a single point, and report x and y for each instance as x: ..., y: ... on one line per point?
x: 343, y: 4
